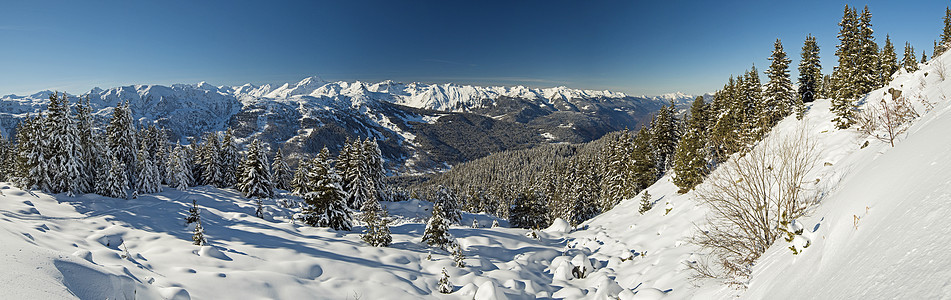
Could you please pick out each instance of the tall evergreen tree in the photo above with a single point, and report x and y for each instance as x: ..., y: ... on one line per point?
x: 228, y: 160
x: 529, y: 211
x: 909, y: 62
x: 810, y: 71
x: 868, y: 61
x: 210, y: 160
x: 889, y: 61
x: 848, y: 75
x: 377, y: 231
x: 121, y: 135
x: 945, y: 42
x: 447, y: 200
x: 255, y: 180
x: 437, y: 229
x: 64, y: 153
x: 664, y: 133
x: 150, y: 181
x: 643, y: 168
x: 178, y: 171
x: 779, y: 98
x: 282, y: 172
x: 91, y: 151
x: 325, y: 199
x: 300, y: 183
x: 117, y: 182
x: 30, y: 153
x: 924, y: 57
x: 690, y: 159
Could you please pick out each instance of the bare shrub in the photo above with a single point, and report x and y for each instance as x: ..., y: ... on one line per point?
x: 750, y: 197
x: 939, y: 68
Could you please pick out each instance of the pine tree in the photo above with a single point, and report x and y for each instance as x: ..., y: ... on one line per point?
x: 646, y: 203
x: 779, y: 92
x: 810, y: 71
x: 178, y: 172
x: 618, y: 184
x: 150, y: 180
x: 664, y: 133
x: 117, y: 182
x: 847, y: 75
x: 194, y: 216
x: 643, y: 168
x: 752, y: 106
x: 64, y: 154
x: 325, y: 199
x: 256, y: 178
x: 282, y: 172
x: 357, y: 176
x: 869, y: 63
x: 889, y: 61
x: 529, y: 210
x: 377, y: 232
x: 228, y: 160
x: 690, y: 159
x: 447, y: 200
x: 91, y: 151
x: 299, y: 184
x: 945, y: 42
x: 924, y: 57
x: 909, y: 62
x: 193, y: 213
x: 209, y: 160
x: 458, y: 257
x: 120, y: 134
x: 437, y: 229
x: 445, y: 286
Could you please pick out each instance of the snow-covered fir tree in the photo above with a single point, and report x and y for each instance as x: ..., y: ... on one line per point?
x: 255, y: 180
x: 117, y: 182
x: 945, y: 41
x: 228, y: 160
x: 377, y: 231
x: 437, y: 229
x: 325, y: 200
x: 194, y: 216
x: 643, y: 166
x: 445, y: 286
x: 889, y: 61
x: 779, y: 97
x: 354, y: 162
x: 178, y: 171
x: 810, y: 71
x: 646, y: 203
x: 908, y: 61
x: 446, y: 199
x: 299, y: 185
x: 93, y: 162
x: 868, y: 61
x: 150, y: 180
x: 209, y: 159
x: 924, y: 57
x: 847, y: 76
x: 63, y: 161
x: 690, y: 159
x: 529, y: 210
x: 664, y: 133
x: 458, y: 257
x: 617, y: 184
x: 282, y: 172
x: 121, y: 137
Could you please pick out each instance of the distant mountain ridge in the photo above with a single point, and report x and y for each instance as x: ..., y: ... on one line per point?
x: 421, y: 127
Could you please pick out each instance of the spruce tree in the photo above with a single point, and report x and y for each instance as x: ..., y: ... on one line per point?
x: 437, y: 229
x: 643, y: 168
x: 646, y: 203
x: 690, y: 159
x: 255, y: 180
x: 617, y: 184
x: 209, y: 160
x: 117, y: 182
x: 445, y: 286
x: 228, y: 160
x: 63, y: 158
x: 909, y: 62
x: 810, y: 71
x: 325, y: 199
x: 178, y: 172
x: 194, y: 216
x: 664, y: 133
x: 848, y: 76
x: 377, y: 231
x: 869, y: 63
x: 121, y: 137
x: 446, y: 199
x: 529, y: 210
x: 150, y: 180
x: 91, y: 151
x: 299, y: 184
x: 282, y: 172
x: 945, y: 42
x: 889, y: 61
x: 779, y: 92
x: 924, y: 57
x: 193, y: 213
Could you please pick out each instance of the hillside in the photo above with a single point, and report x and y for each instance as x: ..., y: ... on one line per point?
x: 418, y: 125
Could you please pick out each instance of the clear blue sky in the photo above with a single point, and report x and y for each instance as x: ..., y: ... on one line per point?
x: 637, y: 47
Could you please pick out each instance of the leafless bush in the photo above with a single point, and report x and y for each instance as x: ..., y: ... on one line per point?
x: 892, y: 117
x: 750, y: 197
x: 939, y: 68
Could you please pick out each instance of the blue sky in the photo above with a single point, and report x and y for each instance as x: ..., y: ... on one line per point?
x: 637, y: 47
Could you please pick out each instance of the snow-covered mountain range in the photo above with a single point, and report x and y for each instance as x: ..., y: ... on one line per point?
x: 413, y: 122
